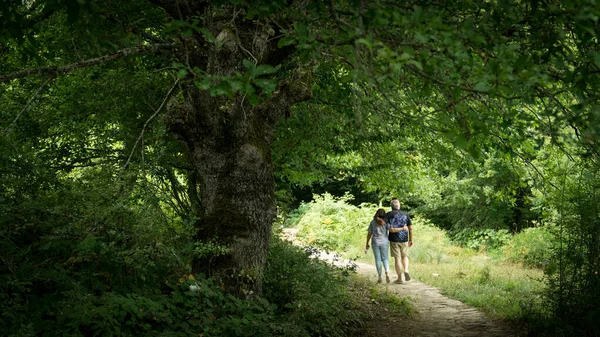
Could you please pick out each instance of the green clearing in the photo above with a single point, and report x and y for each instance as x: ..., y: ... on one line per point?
x: 504, y: 289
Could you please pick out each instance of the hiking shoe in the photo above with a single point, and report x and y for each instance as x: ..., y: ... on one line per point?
x: 387, y: 278
x: 406, y: 276
x: 379, y: 280
x: 398, y: 281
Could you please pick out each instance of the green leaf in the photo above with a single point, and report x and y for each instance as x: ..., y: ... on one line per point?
x: 267, y: 85
x: 286, y: 41
x: 416, y: 64
x: 404, y: 57
x: 207, y: 34
x: 365, y: 42
x: 482, y: 86
x: 222, y: 88
x: 204, y: 85
x: 264, y: 69
x: 182, y: 73
x: 248, y: 64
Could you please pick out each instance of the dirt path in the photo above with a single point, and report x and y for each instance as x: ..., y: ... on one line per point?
x: 437, y: 315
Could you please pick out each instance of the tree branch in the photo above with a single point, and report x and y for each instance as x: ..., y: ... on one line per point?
x: 56, y: 71
x: 337, y: 18
x: 148, y: 121
x: 35, y: 95
x: 525, y: 160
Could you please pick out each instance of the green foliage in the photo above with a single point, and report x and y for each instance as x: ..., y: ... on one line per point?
x: 110, y: 265
x: 574, y: 283
x: 332, y: 224
x: 104, y: 242
x: 404, y: 98
x: 194, y: 306
x: 501, y: 289
x: 209, y: 249
x: 494, y: 195
x: 480, y: 239
x: 296, y: 214
x: 532, y: 247
x: 432, y: 245
x: 310, y: 294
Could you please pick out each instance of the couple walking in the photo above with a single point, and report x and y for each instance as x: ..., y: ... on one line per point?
x: 393, y: 230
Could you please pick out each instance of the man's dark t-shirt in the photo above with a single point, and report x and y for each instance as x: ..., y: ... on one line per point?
x: 398, y: 219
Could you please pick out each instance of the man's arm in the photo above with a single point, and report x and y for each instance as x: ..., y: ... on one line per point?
x: 399, y: 229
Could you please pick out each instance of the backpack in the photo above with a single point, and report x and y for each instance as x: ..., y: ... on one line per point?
x: 399, y: 220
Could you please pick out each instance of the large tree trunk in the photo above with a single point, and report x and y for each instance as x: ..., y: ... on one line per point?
x: 229, y: 143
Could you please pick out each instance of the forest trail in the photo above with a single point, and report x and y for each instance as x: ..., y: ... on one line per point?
x: 436, y: 315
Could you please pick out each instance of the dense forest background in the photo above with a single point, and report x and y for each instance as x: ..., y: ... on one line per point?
x: 149, y: 146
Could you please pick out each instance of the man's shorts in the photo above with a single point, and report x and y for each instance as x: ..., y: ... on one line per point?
x: 399, y: 249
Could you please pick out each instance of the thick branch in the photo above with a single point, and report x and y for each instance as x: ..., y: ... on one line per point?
x: 56, y: 71
x: 165, y: 100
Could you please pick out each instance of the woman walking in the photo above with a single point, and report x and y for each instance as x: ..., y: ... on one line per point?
x: 378, y: 236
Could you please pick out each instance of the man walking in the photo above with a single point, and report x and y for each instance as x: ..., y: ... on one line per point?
x: 401, y: 240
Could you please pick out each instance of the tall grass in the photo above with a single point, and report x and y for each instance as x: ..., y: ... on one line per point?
x: 501, y: 286
x: 502, y: 289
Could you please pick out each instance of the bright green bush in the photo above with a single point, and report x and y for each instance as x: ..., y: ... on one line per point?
x: 481, y: 239
x: 532, y: 247
x: 332, y: 224
x: 293, y: 217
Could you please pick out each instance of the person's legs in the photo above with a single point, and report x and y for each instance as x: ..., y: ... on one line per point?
x: 377, y: 253
x: 404, y: 253
x: 396, y: 254
x: 385, y: 260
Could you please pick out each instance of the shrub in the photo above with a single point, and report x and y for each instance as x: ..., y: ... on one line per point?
x: 532, y: 247
x: 481, y: 239
x: 332, y: 224
x: 308, y: 293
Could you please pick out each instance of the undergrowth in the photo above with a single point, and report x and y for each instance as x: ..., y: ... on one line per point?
x: 108, y: 266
